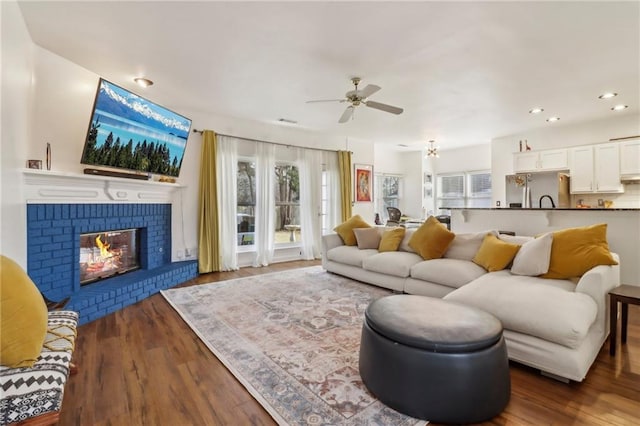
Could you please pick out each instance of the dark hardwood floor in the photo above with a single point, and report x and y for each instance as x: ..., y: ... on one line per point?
x: 143, y: 365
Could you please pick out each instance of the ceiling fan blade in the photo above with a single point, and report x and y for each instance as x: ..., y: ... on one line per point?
x: 369, y: 90
x: 325, y: 100
x: 346, y: 115
x: 384, y: 107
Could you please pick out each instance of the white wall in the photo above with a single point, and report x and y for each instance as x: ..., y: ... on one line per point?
x: 63, y: 94
x: 555, y: 135
x: 412, y: 204
x: 16, y: 90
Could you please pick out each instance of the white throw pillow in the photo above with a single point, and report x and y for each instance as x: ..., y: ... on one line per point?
x: 533, y: 257
x: 465, y: 246
x: 515, y: 239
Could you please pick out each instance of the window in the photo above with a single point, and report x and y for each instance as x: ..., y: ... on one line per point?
x: 246, y: 193
x: 386, y: 193
x: 287, y: 201
x: 464, y: 189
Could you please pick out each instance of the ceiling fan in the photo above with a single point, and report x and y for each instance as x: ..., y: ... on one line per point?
x: 357, y: 97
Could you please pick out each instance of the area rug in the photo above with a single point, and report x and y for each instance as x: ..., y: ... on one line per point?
x: 292, y: 339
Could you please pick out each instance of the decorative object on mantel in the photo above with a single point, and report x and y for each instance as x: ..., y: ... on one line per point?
x: 167, y: 179
x: 48, y: 156
x: 432, y: 150
x: 526, y: 145
x: 34, y: 164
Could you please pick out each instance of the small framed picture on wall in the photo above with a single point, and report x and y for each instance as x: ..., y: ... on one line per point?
x: 363, y: 174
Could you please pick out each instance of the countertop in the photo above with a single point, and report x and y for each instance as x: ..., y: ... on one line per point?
x: 543, y: 209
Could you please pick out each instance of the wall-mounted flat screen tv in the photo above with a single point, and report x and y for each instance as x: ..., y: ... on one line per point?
x: 129, y: 132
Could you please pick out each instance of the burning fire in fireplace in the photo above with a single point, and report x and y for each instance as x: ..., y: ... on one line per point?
x: 105, y: 254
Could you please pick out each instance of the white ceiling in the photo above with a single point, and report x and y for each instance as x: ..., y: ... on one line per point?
x: 464, y: 72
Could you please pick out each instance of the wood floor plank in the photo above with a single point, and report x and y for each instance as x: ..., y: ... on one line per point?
x: 143, y: 365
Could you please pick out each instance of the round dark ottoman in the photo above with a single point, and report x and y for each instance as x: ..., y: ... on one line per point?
x: 435, y: 360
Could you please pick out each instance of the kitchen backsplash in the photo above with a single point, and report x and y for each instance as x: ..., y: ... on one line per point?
x: 629, y: 199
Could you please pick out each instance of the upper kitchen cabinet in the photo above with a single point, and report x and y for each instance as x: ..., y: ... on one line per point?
x: 595, y: 169
x: 540, y: 161
x: 630, y: 158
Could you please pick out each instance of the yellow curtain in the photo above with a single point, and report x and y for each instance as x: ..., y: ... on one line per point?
x: 344, y: 165
x: 208, y: 240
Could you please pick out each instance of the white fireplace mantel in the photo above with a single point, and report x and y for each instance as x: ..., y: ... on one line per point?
x: 49, y: 187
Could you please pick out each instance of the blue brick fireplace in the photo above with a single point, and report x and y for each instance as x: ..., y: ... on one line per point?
x: 53, y: 252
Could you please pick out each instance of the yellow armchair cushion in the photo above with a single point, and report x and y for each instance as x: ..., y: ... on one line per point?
x: 494, y: 254
x: 431, y: 240
x: 345, y: 230
x: 576, y: 250
x: 391, y: 239
x: 23, y: 316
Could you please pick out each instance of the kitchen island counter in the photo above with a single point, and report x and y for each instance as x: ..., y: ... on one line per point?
x: 623, y: 227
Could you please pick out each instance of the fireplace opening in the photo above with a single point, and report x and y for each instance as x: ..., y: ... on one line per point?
x: 108, y: 253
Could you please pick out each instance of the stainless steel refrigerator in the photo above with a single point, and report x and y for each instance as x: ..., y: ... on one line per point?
x: 535, y: 190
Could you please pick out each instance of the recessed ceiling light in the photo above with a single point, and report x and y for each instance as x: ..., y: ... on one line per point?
x: 619, y: 107
x: 552, y: 119
x: 143, y: 82
x: 608, y: 95
x: 535, y: 111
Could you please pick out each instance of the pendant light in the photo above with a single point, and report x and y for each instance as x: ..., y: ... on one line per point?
x: 432, y: 150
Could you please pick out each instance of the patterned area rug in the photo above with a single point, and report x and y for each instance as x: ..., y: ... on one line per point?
x: 292, y: 339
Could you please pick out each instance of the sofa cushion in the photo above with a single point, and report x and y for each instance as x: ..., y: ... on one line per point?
x: 448, y: 272
x: 345, y: 229
x: 576, y: 250
x: 391, y: 239
x: 394, y: 263
x: 349, y: 255
x: 533, y: 257
x: 23, y: 316
x: 495, y: 254
x: 465, y: 246
x: 367, y: 238
x: 528, y: 305
x: 432, y: 239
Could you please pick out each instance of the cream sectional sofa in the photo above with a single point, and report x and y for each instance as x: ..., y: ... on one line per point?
x: 557, y: 326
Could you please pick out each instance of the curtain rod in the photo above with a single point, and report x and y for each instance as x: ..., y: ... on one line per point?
x: 272, y: 143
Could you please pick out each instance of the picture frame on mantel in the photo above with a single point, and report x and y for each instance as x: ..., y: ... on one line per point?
x: 363, y: 178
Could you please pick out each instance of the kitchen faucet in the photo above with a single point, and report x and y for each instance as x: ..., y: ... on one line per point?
x: 553, y: 205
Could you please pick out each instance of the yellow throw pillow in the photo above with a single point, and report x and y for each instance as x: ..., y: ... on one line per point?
x: 391, y: 239
x: 23, y: 316
x: 576, y: 250
x: 345, y: 230
x: 494, y: 254
x: 432, y: 239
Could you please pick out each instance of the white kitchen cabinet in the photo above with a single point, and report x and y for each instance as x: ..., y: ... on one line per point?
x: 630, y: 158
x: 540, y: 161
x: 595, y: 169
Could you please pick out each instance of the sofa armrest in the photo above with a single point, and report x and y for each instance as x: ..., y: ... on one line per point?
x: 330, y: 241
x: 597, y: 283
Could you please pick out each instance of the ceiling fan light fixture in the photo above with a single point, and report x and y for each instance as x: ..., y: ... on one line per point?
x: 143, y: 82
x: 432, y: 150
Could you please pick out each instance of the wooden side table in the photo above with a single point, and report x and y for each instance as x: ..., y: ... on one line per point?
x: 624, y: 294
